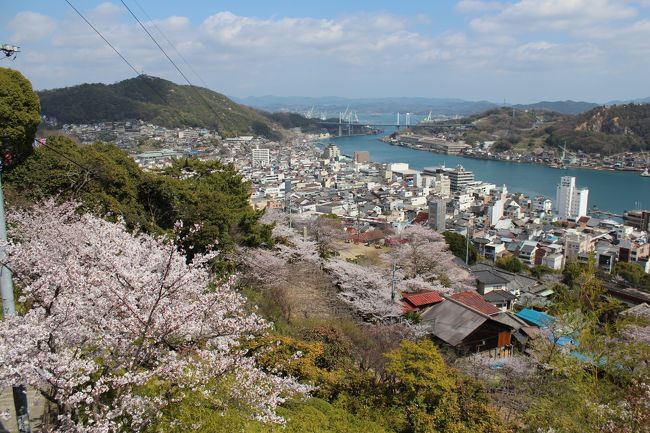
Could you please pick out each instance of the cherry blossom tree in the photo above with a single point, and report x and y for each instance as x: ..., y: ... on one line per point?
x: 324, y: 231
x: 110, y: 314
x: 638, y: 328
x: 367, y: 289
x: 425, y: 254
x: 292, y: 246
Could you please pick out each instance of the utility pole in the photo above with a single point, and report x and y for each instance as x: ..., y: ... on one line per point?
x: 471, y: 221
x: 393, y: 284
x: 8, y: 303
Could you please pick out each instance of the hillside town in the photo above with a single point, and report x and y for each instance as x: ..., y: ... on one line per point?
x: 307, y: 177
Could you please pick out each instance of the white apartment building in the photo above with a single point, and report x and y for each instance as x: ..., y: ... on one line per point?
x: 332, y: 151
x: 459, y: 178
x: 571, y: 201
x: 495, y: 211
x: 261, y: 157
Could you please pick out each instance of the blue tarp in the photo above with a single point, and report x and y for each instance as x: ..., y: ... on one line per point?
x: 563, y: 341
x: 535, y: 317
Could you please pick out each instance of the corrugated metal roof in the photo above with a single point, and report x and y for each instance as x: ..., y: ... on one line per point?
x: 489, y: 277
x: 452, y: 322
x: 475, y: 301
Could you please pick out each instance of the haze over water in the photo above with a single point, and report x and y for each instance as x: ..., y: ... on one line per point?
x: 612, y: 191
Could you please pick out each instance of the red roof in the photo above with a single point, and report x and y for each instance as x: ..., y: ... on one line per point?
x: 476, y: 302
x: 370, y: 235
x: 421, y: 218
x: 422, y: 299
x: 583, y: 220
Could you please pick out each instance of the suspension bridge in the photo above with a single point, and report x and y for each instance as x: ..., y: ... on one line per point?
x: 349, y: 120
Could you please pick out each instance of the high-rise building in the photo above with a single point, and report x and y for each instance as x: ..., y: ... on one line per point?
x: 260, y: 157
x: 572, y: 202
x: 459, y: 177
x: 437, y: 214
x: 361, y: 156
x: 332, y: 151
x: 639, y: 219
x: 495, y: 211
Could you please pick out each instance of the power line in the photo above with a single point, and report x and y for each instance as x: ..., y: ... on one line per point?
x: 153, y: 23
x: 63, y: 155
x: 102, y: 36
x: 156, y: 42
x: 170, y: 60
x: 162, y: 98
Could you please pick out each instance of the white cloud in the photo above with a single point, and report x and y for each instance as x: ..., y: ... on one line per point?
x: 479, y: 6
x: 554, y: 15
x: 556, y: 56
x: 370, y: 52
x: 29, y: 26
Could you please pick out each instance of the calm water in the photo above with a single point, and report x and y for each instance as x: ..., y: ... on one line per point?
x: 608, y: 190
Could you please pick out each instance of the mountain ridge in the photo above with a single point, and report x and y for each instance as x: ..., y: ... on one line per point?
x: 416, y: 104
x: 154, y: 100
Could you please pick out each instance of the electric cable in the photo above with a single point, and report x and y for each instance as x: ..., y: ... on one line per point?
x: 139, y: 74
x: 153, y: 23
x: 192, y: 86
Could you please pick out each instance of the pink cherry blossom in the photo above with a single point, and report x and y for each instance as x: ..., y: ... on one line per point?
x: 109, y: 311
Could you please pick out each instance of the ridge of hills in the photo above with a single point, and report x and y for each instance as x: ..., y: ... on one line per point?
x: 419, y: 105
x: 604, y: 129
x: 583, y: 126
x: 154, y: 100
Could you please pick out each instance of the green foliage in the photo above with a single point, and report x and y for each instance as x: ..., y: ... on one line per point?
x: 599, y: 389
x: 565, y: 403
x: 19, y: 114
x: 419, y: 368
x: 539, y: 270
x: 510, y: 263
x: 207, y: 414
x: 304, y: 360
x: 294, y: 120
x: 209, y: 194
x: 458, y: 246
x: 214, y: 196
x: 262, y: 129
x: 435, y: 398
x: 605, y: 130
x: 154, y: 100
x: 633, y: 274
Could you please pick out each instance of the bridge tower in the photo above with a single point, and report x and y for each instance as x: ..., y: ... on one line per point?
x: 398, y: 120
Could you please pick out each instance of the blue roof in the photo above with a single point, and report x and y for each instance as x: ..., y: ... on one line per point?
x: 535, y: 317
x: 563, y: 341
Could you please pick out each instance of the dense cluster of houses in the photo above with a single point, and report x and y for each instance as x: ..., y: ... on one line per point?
x: 393, y: 196
x: 376, y: 200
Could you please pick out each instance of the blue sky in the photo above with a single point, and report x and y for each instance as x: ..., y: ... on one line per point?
x: 518, y: 50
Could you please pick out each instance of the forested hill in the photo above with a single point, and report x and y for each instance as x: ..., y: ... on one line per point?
x: 155, y: 100
x: 606, y: 130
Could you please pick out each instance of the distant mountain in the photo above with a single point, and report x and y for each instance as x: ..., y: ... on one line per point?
x: 332, y: 105
x: 153, y: 100
x: 605, y: 129
x: 631, y: 101
x: 564, y: 107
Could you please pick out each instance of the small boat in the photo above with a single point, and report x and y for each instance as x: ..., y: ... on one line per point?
x: 645, y: 173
